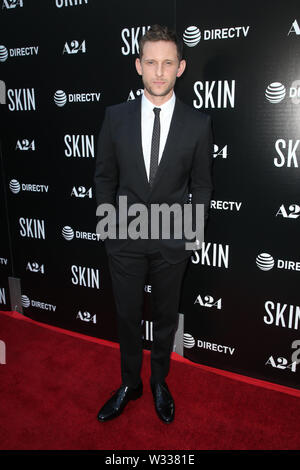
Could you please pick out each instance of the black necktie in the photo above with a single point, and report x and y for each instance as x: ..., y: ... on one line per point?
x: 154, y: 146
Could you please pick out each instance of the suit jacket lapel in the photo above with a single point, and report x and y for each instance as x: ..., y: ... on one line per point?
x: 135, y: 136
x: 171, y: 143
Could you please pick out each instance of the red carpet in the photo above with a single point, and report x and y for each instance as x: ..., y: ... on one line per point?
x: 53, y: 385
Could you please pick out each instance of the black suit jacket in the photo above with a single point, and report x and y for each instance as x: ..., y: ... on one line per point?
x: 185, y: 167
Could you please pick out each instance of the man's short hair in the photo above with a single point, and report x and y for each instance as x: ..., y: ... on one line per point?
x: 161, y: 33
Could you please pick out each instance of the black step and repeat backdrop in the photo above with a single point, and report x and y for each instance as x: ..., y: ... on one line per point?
x: 5, y: 257
x: 61, y: 63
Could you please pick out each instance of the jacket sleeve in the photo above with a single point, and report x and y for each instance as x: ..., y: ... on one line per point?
x: 106, y: 175
x: 201, y: 185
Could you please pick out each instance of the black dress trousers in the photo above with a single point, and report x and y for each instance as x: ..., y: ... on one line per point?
x: 129, y: 272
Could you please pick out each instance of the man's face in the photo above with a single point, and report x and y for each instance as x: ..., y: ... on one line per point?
x: 159, y: 68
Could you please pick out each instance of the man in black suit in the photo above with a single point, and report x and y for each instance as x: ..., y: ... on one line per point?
x: 152, y: 150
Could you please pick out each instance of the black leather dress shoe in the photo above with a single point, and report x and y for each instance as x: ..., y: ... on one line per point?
x: 164, y: 403
x: 116, y: 404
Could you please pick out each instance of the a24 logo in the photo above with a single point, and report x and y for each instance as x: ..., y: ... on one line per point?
x: 208, y: 301
x: 74, y: 47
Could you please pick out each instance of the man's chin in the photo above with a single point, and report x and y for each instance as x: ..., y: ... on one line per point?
x: 159, y: 92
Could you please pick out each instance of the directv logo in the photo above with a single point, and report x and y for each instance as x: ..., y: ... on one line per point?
x: 14, y: 186
x: 3, y: 53
x: 191, y: 36
x: 68, y: 233
x: 265, y: 262
x: 275, y: 92
x: 188, y: 341
x: 25, y: 301
x: 61, y: 98
x: 17, y: 52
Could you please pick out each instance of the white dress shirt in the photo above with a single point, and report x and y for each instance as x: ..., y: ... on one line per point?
x: 147, y: 122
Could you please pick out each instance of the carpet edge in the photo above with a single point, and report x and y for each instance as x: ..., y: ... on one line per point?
x: 174, y: 356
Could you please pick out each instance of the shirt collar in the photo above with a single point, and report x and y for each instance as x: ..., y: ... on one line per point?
x: 165, y: 107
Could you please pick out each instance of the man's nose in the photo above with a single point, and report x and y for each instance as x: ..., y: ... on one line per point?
x: 159, y: 70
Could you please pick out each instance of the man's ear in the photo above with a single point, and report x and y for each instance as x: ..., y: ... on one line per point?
x: 181, y: 68
x: 138, y: 66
